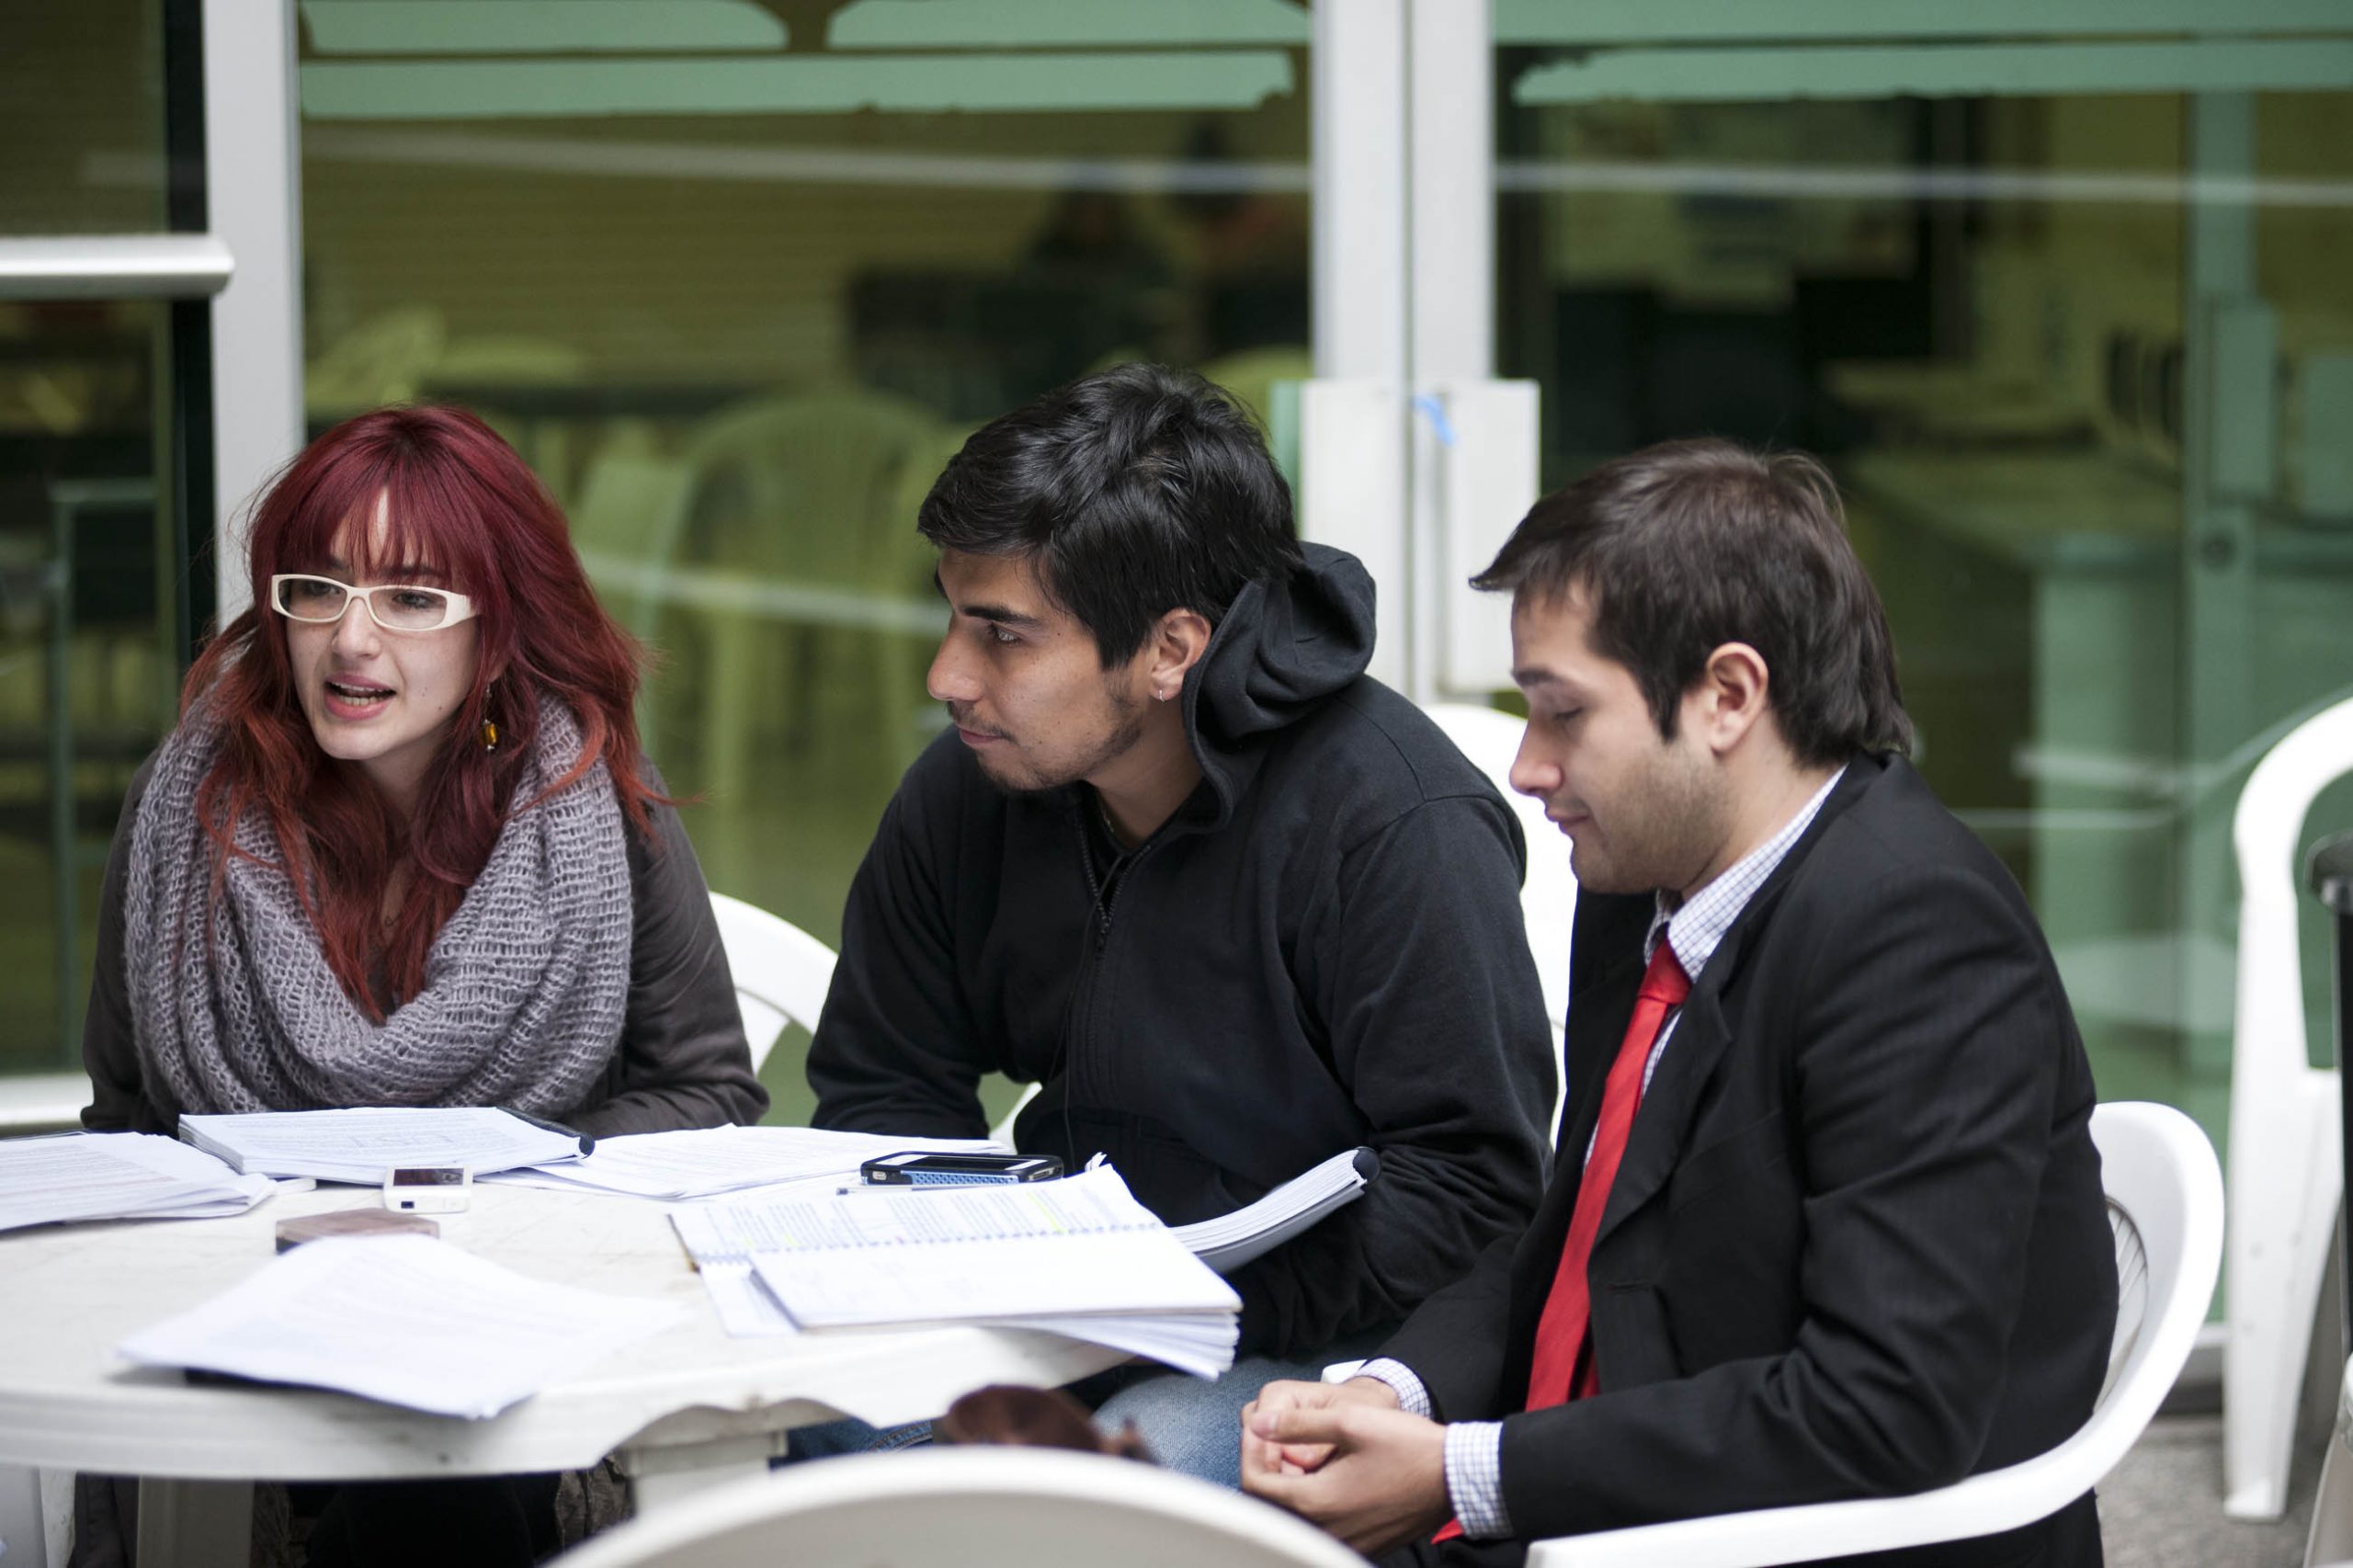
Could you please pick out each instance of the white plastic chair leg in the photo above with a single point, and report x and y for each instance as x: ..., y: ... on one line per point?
x: 36, y: 1517
x: 2331, y: 1541
x: 20, y: 1516
x: 2283, y: 1212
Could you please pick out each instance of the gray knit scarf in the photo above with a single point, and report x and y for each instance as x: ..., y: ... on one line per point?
x: 235, y: 1009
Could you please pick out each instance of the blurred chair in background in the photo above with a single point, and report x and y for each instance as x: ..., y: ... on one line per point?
x: 1251, y: 375
x: 782, y: 546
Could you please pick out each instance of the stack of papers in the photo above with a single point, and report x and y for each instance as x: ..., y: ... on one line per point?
x: 406, y: 1319
x: 1228, y: 1242
x: 1078, y: 1257
x: 704, y: 1163
x: 116, y: 1176
x: 361, y: 1146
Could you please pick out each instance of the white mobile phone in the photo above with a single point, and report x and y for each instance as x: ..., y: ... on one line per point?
x: 429, y: 1190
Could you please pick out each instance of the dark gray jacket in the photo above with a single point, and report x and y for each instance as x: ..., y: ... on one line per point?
x: 1323, y: 949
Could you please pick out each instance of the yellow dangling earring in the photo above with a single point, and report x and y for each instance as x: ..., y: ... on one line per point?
x: 489, y: 735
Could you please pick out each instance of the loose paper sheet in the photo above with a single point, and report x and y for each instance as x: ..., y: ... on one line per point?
x: 407, y: 1320
x: 116, y: 1176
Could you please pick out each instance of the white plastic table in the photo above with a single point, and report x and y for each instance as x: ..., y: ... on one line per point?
x: 685, y: 1409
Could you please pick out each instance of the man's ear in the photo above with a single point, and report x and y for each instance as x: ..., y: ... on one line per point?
x: 1730, y: 697
x: 1178, y: 640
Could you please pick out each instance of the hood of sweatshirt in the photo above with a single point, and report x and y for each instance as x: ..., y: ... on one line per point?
x: 1283, y: 646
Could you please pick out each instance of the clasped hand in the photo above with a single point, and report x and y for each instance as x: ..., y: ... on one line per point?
x: 1344, y: 1455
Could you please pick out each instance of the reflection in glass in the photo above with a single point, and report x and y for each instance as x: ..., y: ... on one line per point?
x: 89, y: 647
x: 82, y: 118
x: 2080, y: 364
x: 737, y: 322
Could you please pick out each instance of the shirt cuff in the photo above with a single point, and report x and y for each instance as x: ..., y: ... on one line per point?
x: 1475, y: 1478
x: 1412, y: 1397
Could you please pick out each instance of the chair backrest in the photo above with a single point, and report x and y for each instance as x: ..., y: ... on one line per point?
x: 1548, y: 898
x: 2268, y: 1037
x: 812, y: 486
x: 2165, y: 1200
x: 2165, y: 1194
x: 974, y: 1507
x: 781, y: 972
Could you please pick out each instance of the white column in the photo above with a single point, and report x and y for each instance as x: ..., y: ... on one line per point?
x: 1450, y: 76
x: 1353, y: 474
x: 1450, y: 324
x: 252, y: 190
x: 1357, y: 146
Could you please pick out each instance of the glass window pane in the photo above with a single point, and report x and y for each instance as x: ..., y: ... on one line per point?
x: 89, y: 639
x: 738, y: 295
x: 2082, y: 359
x: 82, y: 118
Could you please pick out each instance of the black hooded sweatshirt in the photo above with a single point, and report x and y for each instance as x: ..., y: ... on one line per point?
x: 1322, y: 948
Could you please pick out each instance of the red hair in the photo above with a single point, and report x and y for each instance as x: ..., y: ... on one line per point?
x: 456, y: 497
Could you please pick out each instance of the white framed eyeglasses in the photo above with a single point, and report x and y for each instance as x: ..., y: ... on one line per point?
x: 395, y: 607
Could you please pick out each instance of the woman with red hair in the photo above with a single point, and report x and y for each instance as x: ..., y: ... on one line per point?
x: 402, y: 848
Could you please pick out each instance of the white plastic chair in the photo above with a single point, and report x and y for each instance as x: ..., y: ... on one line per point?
x: 972, y: 1508
x: 1003, y: 1131
x: 1548, y: 899
x: 2286, y: 1132
x: 2164, y: 1196
x: 781, y: 972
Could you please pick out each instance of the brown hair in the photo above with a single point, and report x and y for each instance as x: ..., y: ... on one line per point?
x: 1684, y: 547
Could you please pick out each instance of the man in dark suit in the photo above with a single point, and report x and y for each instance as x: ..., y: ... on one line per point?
x: 1826, y: 1218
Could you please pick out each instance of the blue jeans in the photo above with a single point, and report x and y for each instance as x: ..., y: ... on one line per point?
x: 1191, y: 1425
x: 1194, y: 1424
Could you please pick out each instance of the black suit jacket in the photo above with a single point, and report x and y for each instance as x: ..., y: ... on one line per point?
x: 1857, y: 1245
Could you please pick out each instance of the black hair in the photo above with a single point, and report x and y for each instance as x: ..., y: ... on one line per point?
x: 1684, y: 547
x: 1136, y: 491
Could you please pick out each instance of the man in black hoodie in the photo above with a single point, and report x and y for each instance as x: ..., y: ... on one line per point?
x: 1236, y: 905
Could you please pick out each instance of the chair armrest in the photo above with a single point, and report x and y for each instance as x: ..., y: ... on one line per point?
x: 1983, y: 1504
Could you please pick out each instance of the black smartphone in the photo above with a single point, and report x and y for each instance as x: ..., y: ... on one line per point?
x: 918, y: 1169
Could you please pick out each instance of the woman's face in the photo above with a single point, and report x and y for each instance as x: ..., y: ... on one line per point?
x: 382, y: 700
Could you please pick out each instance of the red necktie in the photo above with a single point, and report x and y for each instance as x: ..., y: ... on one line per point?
x: 1563, y: 1333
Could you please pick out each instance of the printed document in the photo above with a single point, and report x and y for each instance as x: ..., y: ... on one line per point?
x: 1228, y: 1242
x: 116, y: 1176
x: 360, y: 1145
x: 410, y: 1321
